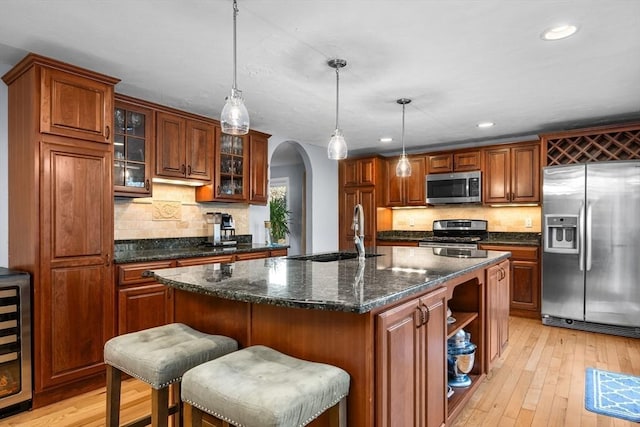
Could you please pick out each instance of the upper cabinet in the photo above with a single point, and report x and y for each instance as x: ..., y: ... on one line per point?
x: 512, y: 173
x: 133, y: 136
x: 407, y: 191
x: 358, y: 171
x: 240, y: 166
x: 76, y: 107
x: 258, y: 167
x: 184, y: 147
x: 458, y: 161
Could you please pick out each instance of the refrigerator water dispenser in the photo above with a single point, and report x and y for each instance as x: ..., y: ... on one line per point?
x: 561, y: 234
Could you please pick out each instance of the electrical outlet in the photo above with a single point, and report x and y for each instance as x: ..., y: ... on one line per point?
x: 412, y: 222
x: 527, y: 223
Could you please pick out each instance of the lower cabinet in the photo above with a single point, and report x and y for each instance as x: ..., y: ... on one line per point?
x: 497, y: 286
x: 411, y: 363
x: 525, y: 279
x: 143, y: 307
x: 142, y: 302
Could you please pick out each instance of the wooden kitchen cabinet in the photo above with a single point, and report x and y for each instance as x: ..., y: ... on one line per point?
x: 350, y: 196
x: 360, y: 181
x: 142, y: 302
x: 411, y: 363
x: 525, y: 279
x: 258, y: 168
x: 407, y: 191
x: 61, y: 218
x: 133, y: 139
x: 184, y: 147
x: 498, y: 284
x: 241, y: 169
x: 72, y: 105
x: 456, y: 161
x: 512, y: 174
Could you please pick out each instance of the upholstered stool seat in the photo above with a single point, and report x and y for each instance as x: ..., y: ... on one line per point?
x: 158, y: 356
x: 260, y: 387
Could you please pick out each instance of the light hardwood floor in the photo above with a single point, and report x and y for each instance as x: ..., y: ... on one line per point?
x: 538, y: 381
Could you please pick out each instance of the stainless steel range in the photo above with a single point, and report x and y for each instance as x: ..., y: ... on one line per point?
x: 456, y: 234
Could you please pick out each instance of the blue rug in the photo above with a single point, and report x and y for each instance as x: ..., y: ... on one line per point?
x: 612, y: 394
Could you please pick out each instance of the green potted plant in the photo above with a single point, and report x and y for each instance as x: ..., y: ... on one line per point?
x: 279, y: 217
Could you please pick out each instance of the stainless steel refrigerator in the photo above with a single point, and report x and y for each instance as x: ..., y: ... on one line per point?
x: 591, y: 247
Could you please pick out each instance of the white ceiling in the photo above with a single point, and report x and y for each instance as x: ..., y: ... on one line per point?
x: 460, y: 61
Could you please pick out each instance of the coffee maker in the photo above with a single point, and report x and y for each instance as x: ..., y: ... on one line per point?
x: 222, y: 232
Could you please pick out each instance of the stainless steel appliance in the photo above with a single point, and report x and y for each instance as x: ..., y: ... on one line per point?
x: 456, y: 234
x: 15, y: 342
x: 458, y: 187
x: 591, y: 230
x: 222, y: 229
x: 461, y: 354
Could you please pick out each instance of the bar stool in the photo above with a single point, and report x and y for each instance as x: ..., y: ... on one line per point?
x: 261, y: 387
x: 158, y: 356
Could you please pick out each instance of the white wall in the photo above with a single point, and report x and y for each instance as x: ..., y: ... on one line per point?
x: 4, y: 176
x: 322, y: 199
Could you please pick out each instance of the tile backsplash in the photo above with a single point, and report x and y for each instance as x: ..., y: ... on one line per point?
x: 171, y: 212
x: 499, y: 218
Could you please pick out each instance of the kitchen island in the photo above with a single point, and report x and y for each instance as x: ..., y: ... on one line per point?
x: 383, y: 321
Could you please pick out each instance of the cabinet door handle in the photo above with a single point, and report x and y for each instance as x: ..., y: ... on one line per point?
x: 427, y: 314
x: 147, y: 185
x: 182, y: 169
x: 418, y: 317
x: 107, y: 262
x: 218, y: 190
x: 189, y: 170
x: 107, y: 131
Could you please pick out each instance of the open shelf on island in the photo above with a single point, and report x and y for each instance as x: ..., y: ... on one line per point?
x: 462, y: 320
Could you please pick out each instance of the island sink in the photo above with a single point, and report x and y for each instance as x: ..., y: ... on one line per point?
x: 330, y: 256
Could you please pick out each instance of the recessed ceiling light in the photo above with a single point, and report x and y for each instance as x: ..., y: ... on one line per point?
x: 485, y: 124
x: 386, y: 139
x: 559, y: 32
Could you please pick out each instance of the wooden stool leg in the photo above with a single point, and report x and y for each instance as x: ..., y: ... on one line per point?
x: 160, y: 407
x: 178, y: 417
x: 338, y: 414
x: 196, y: 417
x: 113, y: 396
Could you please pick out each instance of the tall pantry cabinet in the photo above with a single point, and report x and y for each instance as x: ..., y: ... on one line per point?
x: 61, y: 217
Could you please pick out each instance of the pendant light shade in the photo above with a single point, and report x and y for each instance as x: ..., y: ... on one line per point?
x: 337, y: 148
x: 234, y: 119
x: 403, y: 168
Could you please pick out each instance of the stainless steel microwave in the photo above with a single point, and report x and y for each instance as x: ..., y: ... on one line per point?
x: 457, y: 187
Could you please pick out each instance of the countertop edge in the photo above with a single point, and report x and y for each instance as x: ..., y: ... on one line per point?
x: 323, y: 305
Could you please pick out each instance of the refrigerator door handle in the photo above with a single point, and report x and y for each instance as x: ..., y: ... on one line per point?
x: 580, y: 237
x: 588, y: 236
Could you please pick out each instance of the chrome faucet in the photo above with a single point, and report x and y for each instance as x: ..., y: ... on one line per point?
x: 358, y: 230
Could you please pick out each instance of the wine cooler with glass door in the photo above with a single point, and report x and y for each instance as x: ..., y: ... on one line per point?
x: 15, y: 342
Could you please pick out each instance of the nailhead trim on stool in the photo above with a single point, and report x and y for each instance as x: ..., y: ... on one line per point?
x: 261, y: 387
x: 158, y: 356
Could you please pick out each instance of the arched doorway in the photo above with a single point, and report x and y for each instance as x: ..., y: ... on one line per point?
x: 289, y: 174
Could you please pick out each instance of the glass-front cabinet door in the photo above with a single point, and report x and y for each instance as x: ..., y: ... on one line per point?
x: 232, y: 169
x: 133, y: 126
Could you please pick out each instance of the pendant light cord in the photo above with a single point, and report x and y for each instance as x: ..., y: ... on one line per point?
x: 235, y: 14
x: 403, y: 129
x: 337, y: 94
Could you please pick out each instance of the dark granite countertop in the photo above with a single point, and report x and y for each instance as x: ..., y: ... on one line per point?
x: 145, y: 250
x: 494, y: 238
x: 344, y: 285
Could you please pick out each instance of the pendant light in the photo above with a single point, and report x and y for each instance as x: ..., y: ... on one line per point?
x: 403, y: 168
x: 337, y: 148
x: 234, y: 118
